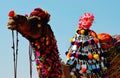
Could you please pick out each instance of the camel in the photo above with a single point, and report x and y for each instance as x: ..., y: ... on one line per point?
x: 38, y: 32
x: 111, y: 45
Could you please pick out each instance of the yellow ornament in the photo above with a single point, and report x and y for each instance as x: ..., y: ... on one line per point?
x: 83, y: 42
x: 47, y: 38
x: 39, y: 25
x: 49, y: 68
x: 71, y: 39
x: 37, y: 66
x: 38, y: 46
x: 96, y: 56
x: 47, y: 42
x: 82, y: 32
x: 104, y: 68
x: 15, y: 14
x: 73, y: 76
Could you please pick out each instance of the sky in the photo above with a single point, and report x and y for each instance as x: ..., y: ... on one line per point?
x: 64, y: 21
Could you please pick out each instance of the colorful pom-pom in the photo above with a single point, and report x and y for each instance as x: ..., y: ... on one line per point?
x: 71, y: 73
x: 76, y: 43
x: 26, y: 15
x: 12, y: 13
x: 89, y: 42
x: 74, y: 47
x: 74, y: 76
x: 69, y: 54
x: 86, y: 21
x: 82, y: 32
x: 77, y: 55
x: 71, y: 39
x: 83, y: 70
x: 90, y: 56
x: 95, y: 56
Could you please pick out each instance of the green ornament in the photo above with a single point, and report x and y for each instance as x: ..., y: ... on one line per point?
x: 41, y: 58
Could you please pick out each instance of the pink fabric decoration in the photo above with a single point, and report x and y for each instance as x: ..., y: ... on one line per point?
x: 86, y: 21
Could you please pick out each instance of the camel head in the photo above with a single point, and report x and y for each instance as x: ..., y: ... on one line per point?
x: 105, y: 41
x: 31, y: 27
x: 109, y: 42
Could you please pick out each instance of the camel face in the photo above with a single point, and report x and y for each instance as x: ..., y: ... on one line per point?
x: 32, y: 26
x: 17, y: 22
x: 11, y: 24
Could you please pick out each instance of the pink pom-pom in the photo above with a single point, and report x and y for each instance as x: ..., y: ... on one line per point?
x: 86, y: 21
x: 26, y: 15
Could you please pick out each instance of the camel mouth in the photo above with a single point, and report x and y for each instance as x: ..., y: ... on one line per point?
x: 11, y: 26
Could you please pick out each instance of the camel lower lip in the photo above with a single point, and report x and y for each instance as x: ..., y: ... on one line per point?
x: 8, y: 26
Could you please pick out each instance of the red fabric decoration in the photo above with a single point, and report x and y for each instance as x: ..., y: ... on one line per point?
x: 105, y: 40
x: 34, y: 13
x: 43, y: 15
x: 11, y: 13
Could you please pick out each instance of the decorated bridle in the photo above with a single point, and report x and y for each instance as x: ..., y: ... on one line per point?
x: 14, y: 46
